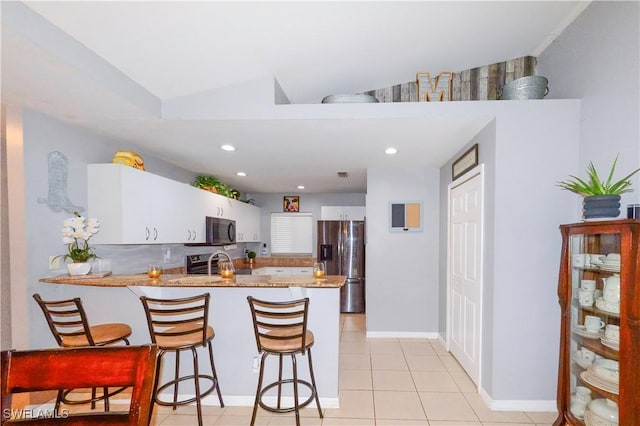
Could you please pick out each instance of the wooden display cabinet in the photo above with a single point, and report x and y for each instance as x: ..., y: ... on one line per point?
x: 601, y: 239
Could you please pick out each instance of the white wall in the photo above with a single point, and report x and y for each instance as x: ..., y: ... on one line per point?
x: 42, y: 135
x: 527, y: 148
x: 402, y: 268
x: 597, y: 59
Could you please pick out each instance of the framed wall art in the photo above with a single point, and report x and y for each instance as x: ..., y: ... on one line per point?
x: 405, y: 216
x: 291, y: 203
x: 466, y: 162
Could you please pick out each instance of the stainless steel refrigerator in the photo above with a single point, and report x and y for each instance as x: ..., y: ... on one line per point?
x: 341, y: 246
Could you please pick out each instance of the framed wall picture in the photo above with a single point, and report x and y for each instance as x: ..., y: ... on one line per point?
x: 291, y: 203
x: 466, y: 162
x: 405, y: 216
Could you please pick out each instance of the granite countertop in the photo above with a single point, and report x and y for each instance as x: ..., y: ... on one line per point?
x: 189, y: 280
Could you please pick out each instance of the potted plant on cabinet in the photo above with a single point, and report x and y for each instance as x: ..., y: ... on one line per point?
x: 601, y: 198
x: 251, y: 256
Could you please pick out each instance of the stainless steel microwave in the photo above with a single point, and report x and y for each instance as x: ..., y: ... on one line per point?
x: 220, y: 231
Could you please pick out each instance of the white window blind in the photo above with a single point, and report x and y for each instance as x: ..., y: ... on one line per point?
x: 291, y: 233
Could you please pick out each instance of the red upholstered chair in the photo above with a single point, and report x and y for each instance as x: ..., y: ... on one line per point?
x: 88, y: 367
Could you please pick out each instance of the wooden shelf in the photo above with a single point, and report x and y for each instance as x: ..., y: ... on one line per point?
x: 595, y: 311
x: 596, y: 391
x: 596, y: 346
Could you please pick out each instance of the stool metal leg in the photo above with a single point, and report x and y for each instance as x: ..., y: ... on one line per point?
x: 215, y: 375
x: 177, y: 376
x: 196, y: 380
x: 294, y: 366
x: 58, y: 400
x: 106, y: 398
x: 313, y: 382
x: 279, y: 378
x: 260, y: 375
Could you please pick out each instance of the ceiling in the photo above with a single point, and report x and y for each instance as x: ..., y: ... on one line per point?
x: 180, y: 79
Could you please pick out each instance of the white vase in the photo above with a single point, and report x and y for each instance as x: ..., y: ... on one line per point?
x: 82, y: 268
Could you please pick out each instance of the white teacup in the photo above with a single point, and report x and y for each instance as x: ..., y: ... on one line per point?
x: 585, y: 357
x: 613, y: 257
x: 612, y: 332
x: 589, y: 285
x: 583, y: 394
x: 581, y: 260
x: 578, y: 407
x: 597, y: 259
x: 586, y: 297
x: 593, y: 323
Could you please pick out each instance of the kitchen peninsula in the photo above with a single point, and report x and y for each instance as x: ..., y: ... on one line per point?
x: 115, y: 298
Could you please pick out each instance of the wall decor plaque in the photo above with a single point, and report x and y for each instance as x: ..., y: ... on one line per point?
x: 466, y: 162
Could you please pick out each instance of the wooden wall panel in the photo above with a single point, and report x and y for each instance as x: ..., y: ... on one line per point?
x: 480, y: 83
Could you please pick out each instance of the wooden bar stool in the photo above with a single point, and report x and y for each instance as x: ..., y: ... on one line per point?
x: 70, y: 327
x: 177, y: 325
x: 281, y: 329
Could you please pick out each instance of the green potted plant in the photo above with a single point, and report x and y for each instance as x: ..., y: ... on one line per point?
x: 251, y: 256
x: 601, y: 198
x: 213, y: 184
x: 208, y: 183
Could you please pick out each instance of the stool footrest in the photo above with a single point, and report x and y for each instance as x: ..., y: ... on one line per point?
x: 98, y: 398
x: 286, y: 409
x: 173, y: 383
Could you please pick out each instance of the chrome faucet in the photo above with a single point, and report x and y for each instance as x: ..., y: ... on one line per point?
x: 211, y: 258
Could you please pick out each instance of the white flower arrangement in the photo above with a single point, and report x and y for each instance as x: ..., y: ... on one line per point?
x: 76, y: 232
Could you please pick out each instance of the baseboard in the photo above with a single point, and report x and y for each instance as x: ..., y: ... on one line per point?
x: 248, y: 400
x: 517, y: 404
x: 401, y: 335
x: 212, y: 400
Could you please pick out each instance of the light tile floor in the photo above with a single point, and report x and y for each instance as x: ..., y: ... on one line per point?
x: 383, y: 382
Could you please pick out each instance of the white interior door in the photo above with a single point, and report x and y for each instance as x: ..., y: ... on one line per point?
x: 464, y: 331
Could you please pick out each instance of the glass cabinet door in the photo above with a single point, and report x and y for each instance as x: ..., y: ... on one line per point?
x: 595, y: 327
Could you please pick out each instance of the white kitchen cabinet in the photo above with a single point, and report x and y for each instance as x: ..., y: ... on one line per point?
x: 283, y: 271
x: 302, y: 271
x: 133, y: 206
x: 247, y: 218
x: 138, y: 207
x: 342, y: 212
x: 278, y: 271
x: 219, y: 206
x: 194, y: 202
x: 259, y: 271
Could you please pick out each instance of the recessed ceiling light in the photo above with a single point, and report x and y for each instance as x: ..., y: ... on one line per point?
x: 300, y: 186
x: 241, y: 174
x: 390, y: 150
x: 228, y: 147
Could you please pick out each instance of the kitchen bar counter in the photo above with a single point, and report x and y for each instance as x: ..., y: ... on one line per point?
x: 116, y: 298
x: 187, y: 280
